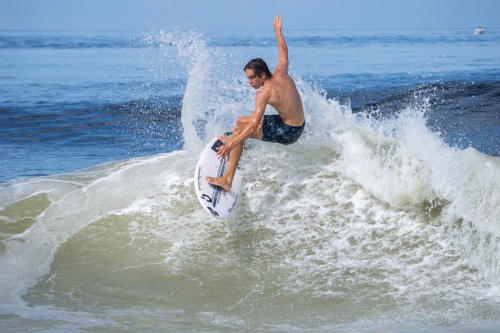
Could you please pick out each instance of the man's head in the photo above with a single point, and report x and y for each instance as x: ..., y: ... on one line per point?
x: 257, y: 72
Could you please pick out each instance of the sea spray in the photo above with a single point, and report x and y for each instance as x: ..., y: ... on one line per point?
x: 369, y: 220
x: 394, y: 156
x: 213, y: 93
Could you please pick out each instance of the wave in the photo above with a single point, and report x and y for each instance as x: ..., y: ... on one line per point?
x: 58, y: 138
x: 397, y: 159
x: 60, y: 40
x: 365, y: 219
x: 463, y: 112
x: 325, y: 225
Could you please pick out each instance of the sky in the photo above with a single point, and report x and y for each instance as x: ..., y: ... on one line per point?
x: 247, y: 14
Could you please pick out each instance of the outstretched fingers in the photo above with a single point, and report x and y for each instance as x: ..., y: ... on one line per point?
x: 277, y: 22
x: 223, y: 151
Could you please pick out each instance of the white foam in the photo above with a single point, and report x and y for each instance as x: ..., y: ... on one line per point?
x: 74, y: 201
x: 360, y: 213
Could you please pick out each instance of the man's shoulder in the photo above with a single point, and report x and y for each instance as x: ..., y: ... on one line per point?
x: 280, y: 71
x: 280, y: 76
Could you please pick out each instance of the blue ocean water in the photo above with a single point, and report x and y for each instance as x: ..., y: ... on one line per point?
x: 382, y: 218
x: 74, y: 99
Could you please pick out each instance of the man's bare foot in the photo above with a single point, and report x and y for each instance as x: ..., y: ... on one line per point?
x: 221, y: 182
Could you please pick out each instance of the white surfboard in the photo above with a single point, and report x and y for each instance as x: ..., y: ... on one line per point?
x: 213, y: 198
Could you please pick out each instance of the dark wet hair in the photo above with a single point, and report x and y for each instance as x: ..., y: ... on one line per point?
x: 258, y: 66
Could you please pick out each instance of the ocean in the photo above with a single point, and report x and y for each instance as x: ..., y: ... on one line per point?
x: 382, y: 218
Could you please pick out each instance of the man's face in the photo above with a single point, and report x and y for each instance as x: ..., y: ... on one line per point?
x: 255, y: 81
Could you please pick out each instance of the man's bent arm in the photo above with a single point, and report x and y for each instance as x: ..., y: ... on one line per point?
x: 261, y: 100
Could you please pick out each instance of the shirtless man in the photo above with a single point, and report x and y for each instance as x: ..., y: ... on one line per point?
x: 279, y: 91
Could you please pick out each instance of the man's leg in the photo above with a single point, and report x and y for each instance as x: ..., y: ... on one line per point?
x: 226, y: 181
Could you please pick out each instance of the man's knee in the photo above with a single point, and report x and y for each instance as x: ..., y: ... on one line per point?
x: 237, y: 129
x: 241, y: 121
x: 240, y: 124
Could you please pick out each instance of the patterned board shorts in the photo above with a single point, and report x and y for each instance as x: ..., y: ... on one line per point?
x: 275, y: 130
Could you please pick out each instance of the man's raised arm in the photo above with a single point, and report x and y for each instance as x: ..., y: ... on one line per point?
x: 282, y: 47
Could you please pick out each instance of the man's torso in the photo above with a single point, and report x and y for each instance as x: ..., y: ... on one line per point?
x: 285, y: 98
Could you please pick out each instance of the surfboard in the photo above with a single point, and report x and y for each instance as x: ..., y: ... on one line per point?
x: 212, y: 198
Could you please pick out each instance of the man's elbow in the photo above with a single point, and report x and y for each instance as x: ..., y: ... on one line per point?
x: 283, y: 49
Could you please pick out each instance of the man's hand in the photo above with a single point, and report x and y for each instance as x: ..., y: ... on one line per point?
x: 223, y: 151
x: 277, y: 22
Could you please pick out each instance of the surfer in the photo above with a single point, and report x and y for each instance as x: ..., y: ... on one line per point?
x: 276, y: 89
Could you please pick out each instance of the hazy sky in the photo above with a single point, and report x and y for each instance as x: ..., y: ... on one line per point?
x: 241, y: 14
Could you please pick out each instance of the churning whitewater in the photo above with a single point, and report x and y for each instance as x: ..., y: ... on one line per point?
x: 371, y: 221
